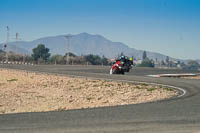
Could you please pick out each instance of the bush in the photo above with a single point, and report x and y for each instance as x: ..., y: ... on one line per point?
x: 41, y: 53
x: 93, y: 59
x: 16, y: 57
x: 192, y: 65
x: 58, y: 59
x: 74, y: 59
x: 146, y: 63
x: 104, y: 61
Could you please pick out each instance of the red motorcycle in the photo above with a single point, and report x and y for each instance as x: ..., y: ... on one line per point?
x: 117, y: 68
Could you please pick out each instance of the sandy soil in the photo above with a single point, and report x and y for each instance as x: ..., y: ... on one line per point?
x: 195, y: 77
x: 33, y: 92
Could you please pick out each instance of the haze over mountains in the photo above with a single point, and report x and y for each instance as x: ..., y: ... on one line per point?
x: 82, y: 44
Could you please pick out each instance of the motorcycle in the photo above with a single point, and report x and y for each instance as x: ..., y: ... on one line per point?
x: 128, y: 66
x: 120, y: 67
x: 117, y: 68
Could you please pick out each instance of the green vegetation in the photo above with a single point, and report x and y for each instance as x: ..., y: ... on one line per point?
x: 144, y: 56
x: 11, y: 80
x: 96, y: 60
x: 15, y: 57
x: 104, y: 61
x: 74, y: 59
x: 168, y: 89
x: 93, y: 59
x: 143, y: 84
x: 192, y: 65
x: 41, y: 53
x: 89, y: 98
x: 167, y: 60
x: 70, y: 54
x: 57, y: 59
x: 150, y: 89
x: 146, y: 63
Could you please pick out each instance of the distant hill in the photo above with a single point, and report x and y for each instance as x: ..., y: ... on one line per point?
x: 82, y: 44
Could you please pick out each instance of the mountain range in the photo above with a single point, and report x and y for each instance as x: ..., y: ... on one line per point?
x: 81, y: 44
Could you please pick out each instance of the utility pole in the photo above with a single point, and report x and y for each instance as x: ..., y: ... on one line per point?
x: 68, y: 47
x: 17, y: 38
x: 7, y: 41
x: 8, y: 35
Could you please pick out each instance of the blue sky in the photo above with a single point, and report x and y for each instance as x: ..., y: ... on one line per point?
x: 171, y: 27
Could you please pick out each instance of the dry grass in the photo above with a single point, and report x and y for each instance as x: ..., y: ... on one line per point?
x: 32, y: 92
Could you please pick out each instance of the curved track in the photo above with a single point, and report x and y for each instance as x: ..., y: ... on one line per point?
x: 178, y: 115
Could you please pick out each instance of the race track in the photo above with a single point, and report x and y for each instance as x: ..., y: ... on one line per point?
x: 177, y: 115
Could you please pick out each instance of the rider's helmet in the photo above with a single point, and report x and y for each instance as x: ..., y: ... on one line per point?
x: 122, y: 57
x: 131, y: 59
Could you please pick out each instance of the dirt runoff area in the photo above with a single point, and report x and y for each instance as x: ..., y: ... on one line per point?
x: 194, y: 77
x: 22, y: 91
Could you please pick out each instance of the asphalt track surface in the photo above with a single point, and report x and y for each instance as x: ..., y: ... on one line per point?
x: 176, y: 115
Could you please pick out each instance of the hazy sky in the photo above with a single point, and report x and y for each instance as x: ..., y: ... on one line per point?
x: 171, y: 27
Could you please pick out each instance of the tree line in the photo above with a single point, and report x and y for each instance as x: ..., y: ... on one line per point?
x: 191, y: 65
x: 41, y: 55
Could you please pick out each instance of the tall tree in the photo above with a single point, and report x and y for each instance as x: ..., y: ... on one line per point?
x: 147, y: 63
x: 93, y: 59
x: 41, y: 52
x: 70, y: 54
x: 144, y: 56
x: 121, y: 54
x: 167, y: 59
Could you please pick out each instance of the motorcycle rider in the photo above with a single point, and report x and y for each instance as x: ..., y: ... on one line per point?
x: 126, y: 63
x: 123, y: 64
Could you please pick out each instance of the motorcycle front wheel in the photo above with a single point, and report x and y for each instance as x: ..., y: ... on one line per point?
x: 113, y: 71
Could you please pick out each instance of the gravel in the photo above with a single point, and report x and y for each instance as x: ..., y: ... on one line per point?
x: 23, y: 91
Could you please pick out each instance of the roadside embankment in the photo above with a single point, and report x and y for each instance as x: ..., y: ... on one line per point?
x: 194, y: 77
